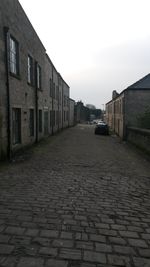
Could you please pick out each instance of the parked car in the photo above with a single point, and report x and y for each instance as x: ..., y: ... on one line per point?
x: 102, y: 128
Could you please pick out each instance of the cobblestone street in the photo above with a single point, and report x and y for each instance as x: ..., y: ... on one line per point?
x: 76, y: 200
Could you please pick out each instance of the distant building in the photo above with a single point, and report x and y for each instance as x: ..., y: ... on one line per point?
x: 124, y: 108
x: 34, y: 98
x: 71, y: 112
x: 86, y: 113
x: 82, y: 113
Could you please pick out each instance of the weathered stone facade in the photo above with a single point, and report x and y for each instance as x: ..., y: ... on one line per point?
x: 38, y: 106
x: 123, y: 110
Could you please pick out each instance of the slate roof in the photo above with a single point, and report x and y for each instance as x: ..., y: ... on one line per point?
x: 143, y: 83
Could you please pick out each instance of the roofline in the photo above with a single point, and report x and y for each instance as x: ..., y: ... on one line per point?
x: 132, y: 85
x: 50, y: 61
x: 127, y: 89
x: 109, y: 102
x: 47, y: 56
x: 63, y: 80
x: 72, y: 99
x: 18, y: 2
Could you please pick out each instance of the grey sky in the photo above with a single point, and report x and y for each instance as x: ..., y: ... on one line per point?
x: 97, y: 45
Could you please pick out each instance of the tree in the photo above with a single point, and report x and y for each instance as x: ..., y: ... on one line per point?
x: 90, y: 106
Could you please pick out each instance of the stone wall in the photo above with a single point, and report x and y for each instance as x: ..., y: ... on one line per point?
x: 22, y: 94
x: 139, y: 137
x: 136, y: 102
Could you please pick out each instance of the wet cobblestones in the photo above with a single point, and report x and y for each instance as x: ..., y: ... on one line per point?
x: 78, y: 200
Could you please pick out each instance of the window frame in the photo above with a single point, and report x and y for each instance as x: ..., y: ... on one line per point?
x: 14, y: 55
x: 16, y: 126
x: 40, y: 121
x: 30, y: 70
x: 39, y: 76
x: 51, y: 88
x: 31, y: 122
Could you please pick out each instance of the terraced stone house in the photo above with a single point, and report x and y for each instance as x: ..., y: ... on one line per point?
x: 125, y: 108
x: 34, y: 98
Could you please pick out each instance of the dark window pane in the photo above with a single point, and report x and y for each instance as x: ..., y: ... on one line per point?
x: 16, y: 123
x: 31, y: 122
x: 40, y: 121
x: 14, y: 56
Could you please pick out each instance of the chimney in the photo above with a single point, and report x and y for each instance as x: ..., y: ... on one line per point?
x: 114, y: 94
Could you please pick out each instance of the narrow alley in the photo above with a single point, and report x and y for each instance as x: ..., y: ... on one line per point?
x: 76, y: 200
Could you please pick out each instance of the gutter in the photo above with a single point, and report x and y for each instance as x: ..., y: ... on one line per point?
x: 58, y: 98
x: 9, y: 134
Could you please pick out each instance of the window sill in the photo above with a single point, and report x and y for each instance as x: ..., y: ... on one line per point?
x: 17, y: 76
x: 30, y: 84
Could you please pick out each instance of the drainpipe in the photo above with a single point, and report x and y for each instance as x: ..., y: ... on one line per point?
x: 6, y: 35
x: 36, y: 103
x: 52, y: 101
x: 58, y: 104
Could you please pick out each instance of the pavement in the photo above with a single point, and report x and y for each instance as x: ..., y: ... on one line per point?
x: 76, y: 200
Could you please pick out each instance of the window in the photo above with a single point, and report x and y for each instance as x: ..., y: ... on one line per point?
x: 14, y: 56
x: 67, y: 115
x: 38, y: 77
x: 40, y: 121
x: 64, y: 116
x: 31, y: 122
x: 51, y: 88
x: 51, y: 117
x: 57, y: 92
x: 16, y: 124
x: 57, y: 117
x: 59, y: 97
x: 30, y: 70
x: 54, y: 119
x: 64, y: 100
x: 45, y: 122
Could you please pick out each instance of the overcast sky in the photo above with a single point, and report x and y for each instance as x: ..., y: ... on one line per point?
x: 97, y: 45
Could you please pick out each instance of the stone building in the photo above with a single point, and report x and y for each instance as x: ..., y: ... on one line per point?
x: 82, y: 113
x: 71, y: 112
x: 34, y: 98
x: 125, y: 108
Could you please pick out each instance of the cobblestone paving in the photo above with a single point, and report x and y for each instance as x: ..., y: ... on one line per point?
x: 78, y: 200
